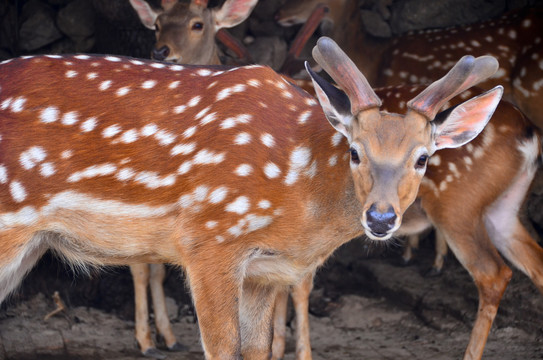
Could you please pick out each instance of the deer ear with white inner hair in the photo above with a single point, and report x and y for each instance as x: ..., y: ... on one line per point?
x: 335, y: 103
x: 232, y: 12
x: 464, y: 122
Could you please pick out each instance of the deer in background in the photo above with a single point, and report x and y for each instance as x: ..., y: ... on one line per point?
x: 514, y: 39
x: 185, y: 32
x: 139, y: 184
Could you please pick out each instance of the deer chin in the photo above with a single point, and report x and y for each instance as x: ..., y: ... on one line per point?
x: 377, y: 236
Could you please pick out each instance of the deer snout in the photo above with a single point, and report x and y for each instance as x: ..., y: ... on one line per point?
x: 160, y: 54
x: 380, y: 221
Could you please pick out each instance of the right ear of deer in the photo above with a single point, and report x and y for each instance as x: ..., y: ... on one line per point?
x: 146, y: 14
x: 467, y: 72
x: 345, y: 73
x: 334, y: 102
x: 233, y: 12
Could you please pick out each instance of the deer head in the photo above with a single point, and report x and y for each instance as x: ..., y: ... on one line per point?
x: 389, y: 152
x: 185, y: 32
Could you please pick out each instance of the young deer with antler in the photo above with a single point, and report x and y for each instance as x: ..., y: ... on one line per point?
x: 185, y: 32
x: 514, y: 39
x: 111, y: 160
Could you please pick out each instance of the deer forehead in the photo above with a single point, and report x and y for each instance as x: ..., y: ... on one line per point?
x: 392, y: 136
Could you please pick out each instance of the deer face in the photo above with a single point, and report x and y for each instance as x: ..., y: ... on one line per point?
x: 389, y: 152
x: 185, y: 32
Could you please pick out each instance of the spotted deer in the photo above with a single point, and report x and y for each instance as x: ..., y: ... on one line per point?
x: 420, y: 56
x: 131, y: 176
x: 185, y: 33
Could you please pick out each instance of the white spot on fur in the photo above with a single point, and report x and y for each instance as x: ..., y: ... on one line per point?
x: 66, y: 154
x: 71, y: 73
x: 239, y: 206
x: 208, y: 118
x: 332, y: 161
x: 267, y: 139
x: 165, y: 138
x: 111, y: 131
x: 183, y: 149
x: 104, y: 85
x: 174, y: 84
x: 47, y: 169
x: 271, y: 170
x: 89, y: 124
x: 112, y: 58
x: 244, y: 170
x: 233, y: 121
x: 185, y: 167
x: 18, y: 104
x: 264, y: 204
x: 125, y: 174
x: 194, y: 101
x: 17, y: 190
x: 336, y: 139
x: 242, y: 138
x: 299, y: 159
x: 226, y: 92
x: 254, y: 83
x: 211, y: 224
x: 208, y: 157
x: 3, y: 174
x: 92, y: 171
x: 49, y: 114
x: 435, y: 160
x: 130, y: 136
x: 189, y: 132
x: 149, y: 84
x: 32, y: 157
x: 123, y: 91
x: 69, y: 118
x: 218, y: 195
x: 304, y: 116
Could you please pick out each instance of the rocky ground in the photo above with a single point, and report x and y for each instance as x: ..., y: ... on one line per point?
x: 364, y: 306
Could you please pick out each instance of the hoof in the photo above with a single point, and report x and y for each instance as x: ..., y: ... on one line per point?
x: 433, y: 272
x: 176, y: 347
x: 153, y: 353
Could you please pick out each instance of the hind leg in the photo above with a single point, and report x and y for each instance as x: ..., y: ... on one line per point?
x: 17, y: 258
x: 510, y: 236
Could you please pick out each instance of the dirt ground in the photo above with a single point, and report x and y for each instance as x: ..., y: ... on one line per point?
x: 364, y: 306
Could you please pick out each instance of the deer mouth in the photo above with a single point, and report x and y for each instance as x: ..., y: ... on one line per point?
x: 378, y: 236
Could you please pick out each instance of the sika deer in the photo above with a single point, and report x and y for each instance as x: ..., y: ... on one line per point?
x: 185, y: 33
x: 514, y: 39
x: 116, y: 167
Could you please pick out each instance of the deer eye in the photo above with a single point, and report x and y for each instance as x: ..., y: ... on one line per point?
x: 422, y: 161
x: 198, y: 26
x: 354, y: 156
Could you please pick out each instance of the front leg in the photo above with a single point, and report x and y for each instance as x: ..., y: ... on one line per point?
x: 300, y: 299
x: 256, y: 320
x: 216, y: 284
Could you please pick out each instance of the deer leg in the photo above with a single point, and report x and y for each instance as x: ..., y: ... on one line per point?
x: 18, y: 259
x: 140, y: 276
x: 279, y: 325
x: 441, y: 249
x: 216, y: 288
x: 510, y: 236
x: 412, y: 244
x: 300, y: 298
x: 490, y: 273
x: 164, y: 327
x: 256, y: 320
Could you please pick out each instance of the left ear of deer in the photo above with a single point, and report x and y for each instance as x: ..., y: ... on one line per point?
x: 465, y: 121
x: 146, y: 14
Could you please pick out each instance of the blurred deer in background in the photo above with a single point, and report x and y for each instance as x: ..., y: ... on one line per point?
x: 139, y: 184
x: 419, y: 57
x: 185, y: 32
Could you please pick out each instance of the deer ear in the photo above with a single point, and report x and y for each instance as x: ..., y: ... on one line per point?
x: 232, y: 12
x: 464, y: 122
x: 334, y: 102
x: 146, y: 14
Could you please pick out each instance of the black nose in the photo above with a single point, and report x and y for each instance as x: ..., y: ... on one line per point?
x: 380, y: 222
x: 160, y: 54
